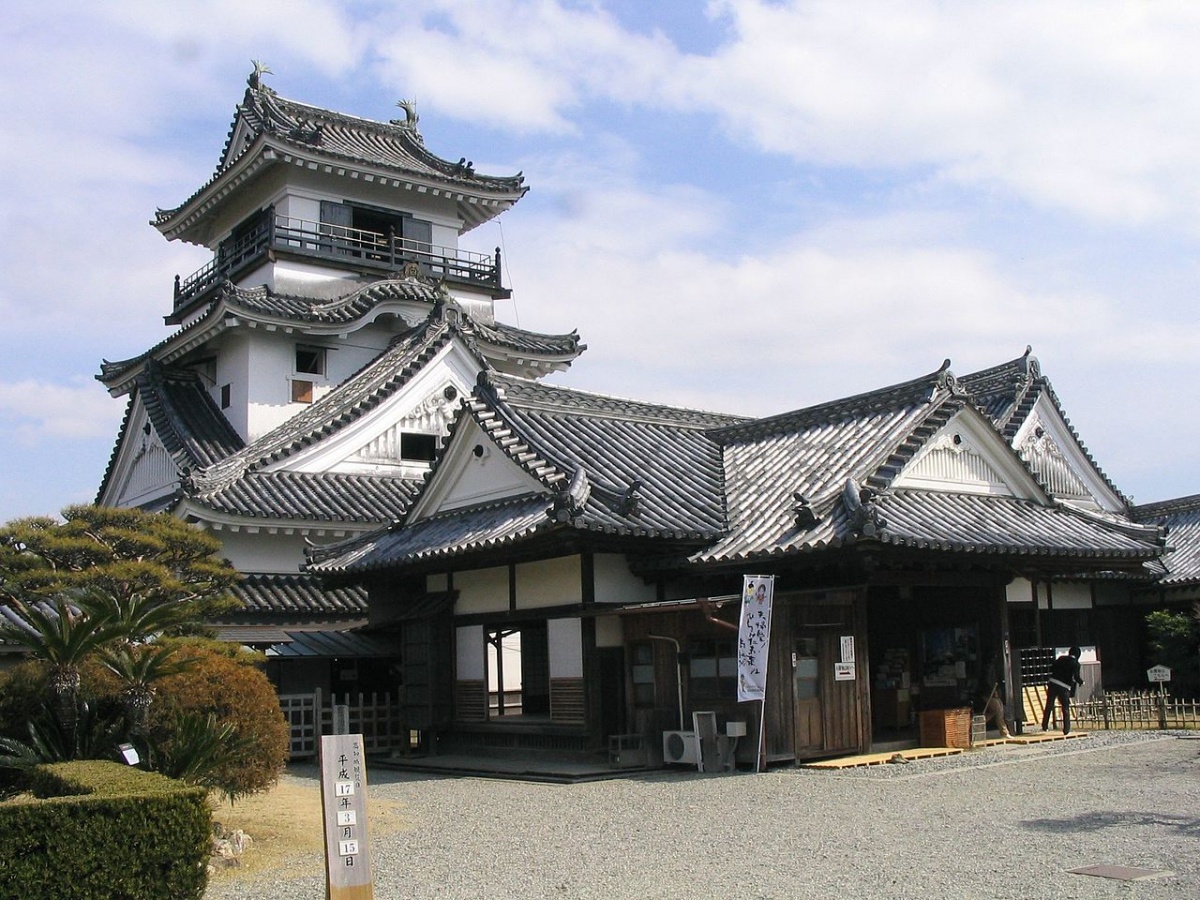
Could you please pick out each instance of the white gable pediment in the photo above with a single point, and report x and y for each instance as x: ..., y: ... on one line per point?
x: 144, y: 470
x: 473, y: 471
x: 968, y: 456
x: 1047, y: 445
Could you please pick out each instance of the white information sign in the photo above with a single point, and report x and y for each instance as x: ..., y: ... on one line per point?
x: 1158, y: 674
x: 344, y: 807
x: 847, y: 648
x: 843, y: 671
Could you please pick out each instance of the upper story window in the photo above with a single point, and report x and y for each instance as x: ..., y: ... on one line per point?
x: 352, y: 225
x: 310, y: 360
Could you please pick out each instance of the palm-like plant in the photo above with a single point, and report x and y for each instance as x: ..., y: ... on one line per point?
x: 64, y: 632
x: 138, y: 666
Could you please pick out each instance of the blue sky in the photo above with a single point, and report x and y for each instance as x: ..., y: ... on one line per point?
x: 742, y: 205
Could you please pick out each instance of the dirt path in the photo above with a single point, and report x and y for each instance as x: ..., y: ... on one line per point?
x: 284, y: 825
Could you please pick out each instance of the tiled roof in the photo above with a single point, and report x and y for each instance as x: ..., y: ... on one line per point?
x: 609, y: 466
x: 771, y: 464
x: 187, y: 421
x: 484, y: 527
x: 393, y: 150
x: 185, y: 417
x: 265, y: 305
x: 352, y: 644
x: 298, y: 596
x: 1181, y: 516
x: 311, y: 497
x: 974, y: 523
x: 745, y: 490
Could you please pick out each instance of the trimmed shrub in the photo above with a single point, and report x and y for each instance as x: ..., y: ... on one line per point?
x: 226, y: 682
x: 103, y: 831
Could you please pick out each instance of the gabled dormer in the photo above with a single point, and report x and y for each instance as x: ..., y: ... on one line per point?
x: 1022, y: 404
x: 305, y: 198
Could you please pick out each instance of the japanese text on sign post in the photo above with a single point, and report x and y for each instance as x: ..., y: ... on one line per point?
x: 344, y: 806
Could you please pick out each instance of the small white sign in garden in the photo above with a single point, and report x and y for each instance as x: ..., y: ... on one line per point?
x: 1158, y: 674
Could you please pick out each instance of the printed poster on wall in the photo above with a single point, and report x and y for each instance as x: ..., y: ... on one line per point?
x: 754, y: 636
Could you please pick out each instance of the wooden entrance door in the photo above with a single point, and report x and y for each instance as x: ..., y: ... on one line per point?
x: 806, y: 693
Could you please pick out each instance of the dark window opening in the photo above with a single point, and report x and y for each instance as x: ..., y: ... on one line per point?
x: 226, y: 396
x: 418, y: 447
x: 352, y: 227
x: 310, y: 360
x: 712, y: 670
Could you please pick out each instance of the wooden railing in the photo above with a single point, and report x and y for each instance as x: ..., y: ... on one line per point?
x: 378, y: 718
x: 342, y: 245
x: 1136, y: 709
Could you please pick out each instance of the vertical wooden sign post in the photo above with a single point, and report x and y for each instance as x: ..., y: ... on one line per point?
x: 344, y: 807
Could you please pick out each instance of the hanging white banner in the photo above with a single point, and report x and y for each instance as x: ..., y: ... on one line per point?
x: 754, y: 636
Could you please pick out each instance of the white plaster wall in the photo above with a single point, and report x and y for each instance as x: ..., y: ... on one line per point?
x: 549, y: 582
x: 1069, y: 596
x: 1060, y: 595
x: 609, y: 632
x: 233, y: 369
x: 616, y: 584
x: 437, y: 583
x: 1019, y: 590
x: 566, y: 648
x: 420, y: 406
x: 469, y: 654
x: 261, y: 551
x: 481, y: 590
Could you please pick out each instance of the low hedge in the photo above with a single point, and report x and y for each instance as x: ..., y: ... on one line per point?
x: 99, y: 830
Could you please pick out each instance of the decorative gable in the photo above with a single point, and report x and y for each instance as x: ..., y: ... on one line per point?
x: 473, y: 471
x: 396, y: 445
x: 147, y: 470
x: 967, y: 455
x: 1046, y: 458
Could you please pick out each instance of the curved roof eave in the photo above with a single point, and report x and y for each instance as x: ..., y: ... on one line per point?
x: 478, y: 198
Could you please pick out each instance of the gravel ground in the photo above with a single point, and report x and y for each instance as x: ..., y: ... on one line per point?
x: 1004, y: 822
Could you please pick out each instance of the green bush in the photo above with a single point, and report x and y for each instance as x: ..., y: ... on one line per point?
x: 99, y: 830
x: 227, y: 683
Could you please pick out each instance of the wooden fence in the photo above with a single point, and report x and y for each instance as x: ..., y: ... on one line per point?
x: 1120, y: 710
x: 1136, y: 709
x: 378, y: 718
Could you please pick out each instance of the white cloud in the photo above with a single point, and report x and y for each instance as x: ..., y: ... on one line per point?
x: 526, y: 66
x: 37, y: 412
x: 1089, y: 107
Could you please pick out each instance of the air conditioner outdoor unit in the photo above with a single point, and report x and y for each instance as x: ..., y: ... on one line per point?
x: 680, y: 747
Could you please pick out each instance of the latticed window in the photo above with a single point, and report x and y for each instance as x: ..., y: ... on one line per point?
x: 712, y: 670
x: 643, y: 675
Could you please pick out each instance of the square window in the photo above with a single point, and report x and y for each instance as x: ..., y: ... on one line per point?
x: 310, y: 360
x: 302, y: 391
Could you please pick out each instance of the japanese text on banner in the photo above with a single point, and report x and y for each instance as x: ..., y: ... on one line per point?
x: 754, y: 636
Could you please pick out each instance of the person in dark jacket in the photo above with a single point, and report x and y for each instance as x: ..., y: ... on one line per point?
x: 1064, y: 676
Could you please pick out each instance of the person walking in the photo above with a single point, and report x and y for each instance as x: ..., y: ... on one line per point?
x: 1064, y: 676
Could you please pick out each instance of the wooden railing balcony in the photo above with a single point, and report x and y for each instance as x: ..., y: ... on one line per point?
x: 342, y: 246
